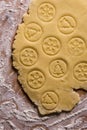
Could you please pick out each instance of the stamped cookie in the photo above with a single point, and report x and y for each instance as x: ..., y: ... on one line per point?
x: 50, y: 51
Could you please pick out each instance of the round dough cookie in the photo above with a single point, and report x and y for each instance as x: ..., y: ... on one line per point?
x: 50, y: 51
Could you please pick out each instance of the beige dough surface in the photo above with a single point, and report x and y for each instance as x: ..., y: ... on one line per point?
x: 50, y: 53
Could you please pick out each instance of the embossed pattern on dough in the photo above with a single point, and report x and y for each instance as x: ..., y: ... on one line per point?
x: 50, y: 54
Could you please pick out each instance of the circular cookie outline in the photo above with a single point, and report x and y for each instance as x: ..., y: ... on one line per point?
x: 74, y: 71
x: 54, y: 94
x: 32, y: 49
x: 77, y: 37
x: 74, y: 19
x: 36, y: 69
x: 33, y: 22
x: 38, y: 11
x: 65, y: 62
x: 60, y: 45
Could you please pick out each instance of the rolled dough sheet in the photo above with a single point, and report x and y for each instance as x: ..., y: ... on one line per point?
x: 50, y: 51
